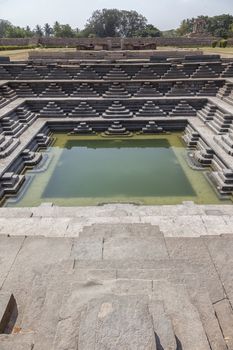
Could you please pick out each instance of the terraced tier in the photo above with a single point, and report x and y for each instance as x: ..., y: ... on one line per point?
x: 117, y: 71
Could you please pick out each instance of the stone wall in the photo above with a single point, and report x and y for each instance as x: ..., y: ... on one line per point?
x: 109, y: 42
x: 56, y: 56
x: 185, y: 42
x: 18, y: 41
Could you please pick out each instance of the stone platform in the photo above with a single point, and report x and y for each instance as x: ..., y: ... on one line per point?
x: 117, y: 286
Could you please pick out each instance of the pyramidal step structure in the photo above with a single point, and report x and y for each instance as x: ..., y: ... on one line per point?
x: 116, y: 90
x: 152, y: 128
x: 148, y: 90
x: 51, y: 110
x: 83, y: 110
x: 150, y: 109
x: 117, y: 110
x: 53, y: 90
x: 82, y: 128
x: 84, y: 90
x: 183, y: 109
x: 116, y: 73
x: 146, y: 73
x: 117, y: 129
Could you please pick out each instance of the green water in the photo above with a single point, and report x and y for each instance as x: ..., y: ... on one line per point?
x: 90, y: 170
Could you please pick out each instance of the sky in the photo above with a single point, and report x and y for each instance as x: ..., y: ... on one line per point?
x: 164, y: 14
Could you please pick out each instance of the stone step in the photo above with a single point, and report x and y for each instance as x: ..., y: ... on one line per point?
x: 185, y: 318
x: 163, y: 328
x: 210, y: 322
x: 8, y: 146
x: 224, y: 314
x: 17, y: 341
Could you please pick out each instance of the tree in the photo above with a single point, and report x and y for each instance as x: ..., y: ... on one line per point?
x: 28, y: 32
x: 149, y: 31
x: 104, y: 23
x: 56, y: 29
x: 48, y: 30
x: 4, y: 26
x: 220, y: 26
x: 185, y: 27
x: 38, y: 31
x: 131, y: 22
x: 64, y: 31
x: 114, y: 23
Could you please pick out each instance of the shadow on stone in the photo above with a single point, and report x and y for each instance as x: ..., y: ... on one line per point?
x: 158, y: 344
x: 9, y: 316
x: 178, y: 344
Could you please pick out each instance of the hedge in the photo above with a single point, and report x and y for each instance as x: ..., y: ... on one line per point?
x: 17, y: 47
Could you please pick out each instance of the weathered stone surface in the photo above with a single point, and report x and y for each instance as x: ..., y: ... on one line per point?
x: 186, y: 248
x: 9, y: 249
x: 17, y: 341
x: 128, y: 248
x: 163, y: 328
x: 34, y: 254
x: 185, y: 318
x: 87, y: 249
x: 208, y: 318
x: 225, y: 318
x: 220, y: 249
x: 117, y: 323
x: 149, y: 293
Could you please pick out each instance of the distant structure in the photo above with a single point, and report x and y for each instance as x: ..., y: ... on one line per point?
x: 111, y: 44
x: 199, y: 28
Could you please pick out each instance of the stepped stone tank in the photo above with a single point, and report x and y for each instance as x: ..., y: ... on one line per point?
x: 117, y: 276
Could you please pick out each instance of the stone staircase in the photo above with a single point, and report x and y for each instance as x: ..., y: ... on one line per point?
x: 12, y: 126
x: 225, y: 90
x: 204, y: 71
x: 53, y: 90
x: 29, y: 73
x: 152, y: 128
x: 116, y: 90
x: 191, y: 136
x: 84, y: 90
x: 24, y: 90
x: 148, y: 90
x: 7, y: 145
x: 82, y: 128
x: 150, y: 109
x: 117, y: 110
x: 207, y: 113
x: 221, y: 122
x: 226, y: 141
x: 121, y: 286
x: 51, y: 110
x: 83, y: 110
x: 116, y: 73
x: 209, y: 89
x: 183, y: 108
x: 25, y: 115
x: 117, y: 129
x: 8, y: 93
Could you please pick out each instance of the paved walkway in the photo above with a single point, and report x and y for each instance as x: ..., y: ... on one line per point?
x: 187, y: 220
